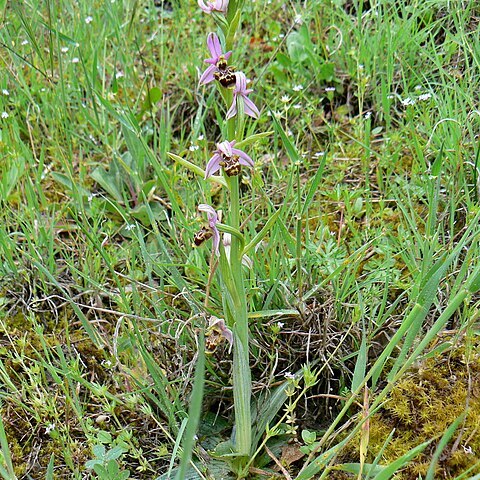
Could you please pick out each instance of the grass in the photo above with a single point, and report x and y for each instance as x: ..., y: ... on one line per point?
x: 367, y: 273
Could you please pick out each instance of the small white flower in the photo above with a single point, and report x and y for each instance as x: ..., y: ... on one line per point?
x: 330, y: 89
x: 49, y: 428
x: 5, y: 115
x: 424, y: 97
x: 367, y: 115
x: 5, y: 92
x: 129, y: 227
x: 280, y: 324
x: 285, y: 99
x: 318, y: 154
x: 298, y: 19
x: 192, y: 147
x: 289, y: 376
x: 289, y: 133
x: 89, y: 19
x: 93, y: 139
x: 64, y: 49
x: 24, y: 42
x: 119, y: 74
x: 297, y: 88
x: 278, y: 115
x: 297, y: 106
x: 200, y: 138
x: 90, y: 198
x: 281, y: 35
x: 75, y: 60
x: 408, y: 101
x: 390, y: 96
x: 418, y: 87
x: 468, y: 449
x: 361, y: 67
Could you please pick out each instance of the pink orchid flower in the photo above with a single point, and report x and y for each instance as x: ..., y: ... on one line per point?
x: 210, y: 6
x: 212, y: 222
x: 240, y: 93
x: 217, y: 60
x: 228, y: 157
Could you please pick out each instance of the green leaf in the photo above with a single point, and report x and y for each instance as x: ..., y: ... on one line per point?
x: 289, y: 147
x: 308, y: 437
x: 326, y: 72
x: 194, y: 410
x: 51, y: 465
x: 142, y: 213
x: 261, y: 234
x: 442, y: 445
x: 299, y: 45
x: 153, y: 96
x: 114, y: 453
x: 252, y: 139
x: 113, y: 468
x: 104, y: 437
x: 101, y: 471
x: 67, y: 182
x: 109, y: 181
x: 356, y: 468
x: 99, y: 451
x: 388, y: 472
x: 197, y: 170
x: 360, y: 365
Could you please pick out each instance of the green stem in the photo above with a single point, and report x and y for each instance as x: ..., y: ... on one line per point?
x: 242, y: 389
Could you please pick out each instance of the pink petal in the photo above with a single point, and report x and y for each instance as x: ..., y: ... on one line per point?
x: 216, y: 240
x: 243, y: 156
x: 207, y: 75
x: 221, y: 5
x: 214, y: 46
x: 241, y: 82
x: 206, y: 8
x: 232, y: 111
x: 250, y: 108
x: 225, y: 148
x: 210, y: 211
x: 213, y: 166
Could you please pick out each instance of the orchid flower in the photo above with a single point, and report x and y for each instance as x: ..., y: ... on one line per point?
x: 218, y: 60
x: 212, y: 222
x: 218, y: 325
x: 229, y: 158
x: 210, y: 6
x: 240, y: 93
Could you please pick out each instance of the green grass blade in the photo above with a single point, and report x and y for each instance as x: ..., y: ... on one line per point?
x: 360, y: 365
x: 390, y: 470
x: 194, y: 411
x: 442, y: 445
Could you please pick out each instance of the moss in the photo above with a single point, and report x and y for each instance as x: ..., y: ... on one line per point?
x: 422, y: 406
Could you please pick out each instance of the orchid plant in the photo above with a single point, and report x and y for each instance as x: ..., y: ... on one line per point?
x: 229, y: 161
x: 229, y: 248
x: 228, y: 244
